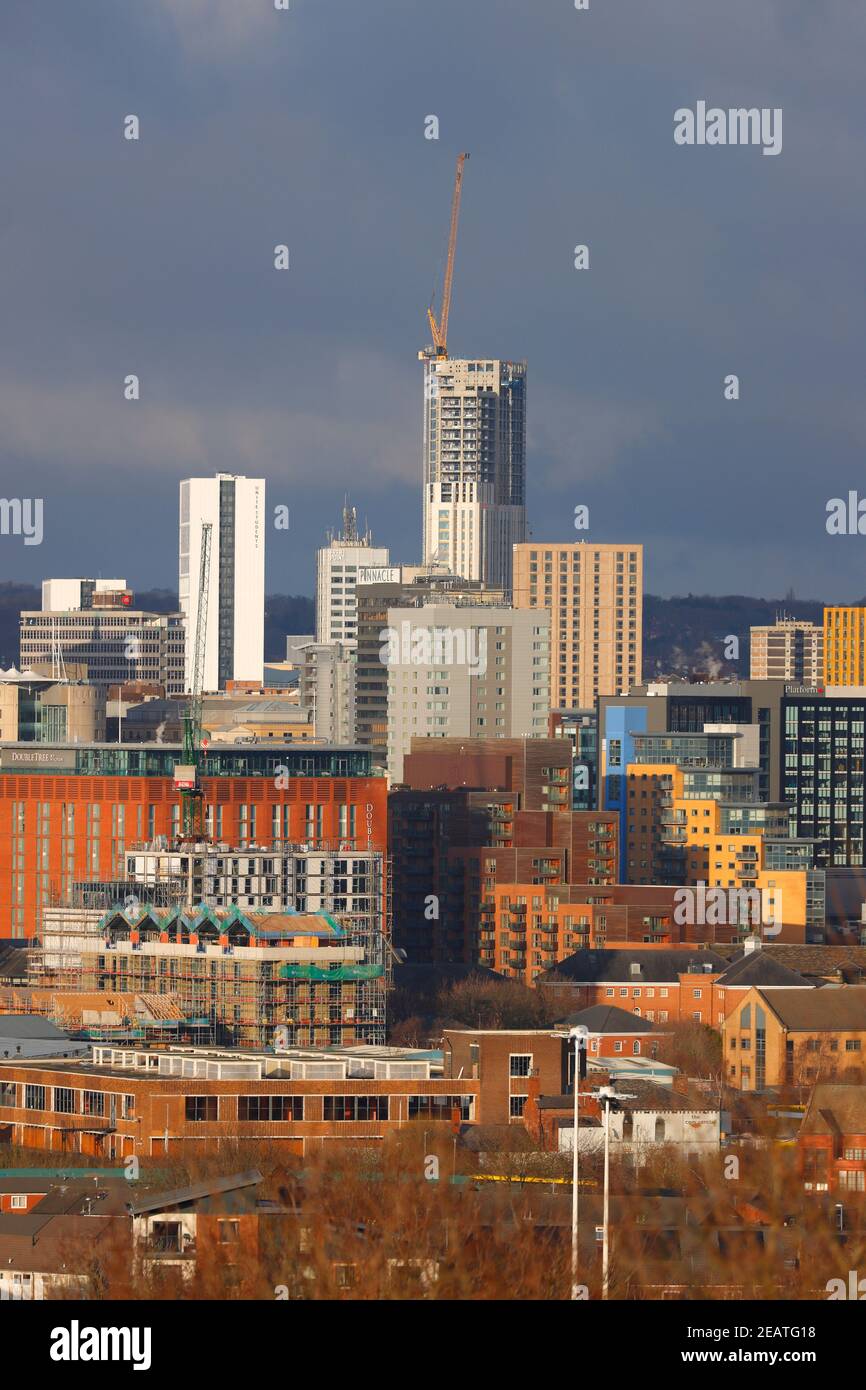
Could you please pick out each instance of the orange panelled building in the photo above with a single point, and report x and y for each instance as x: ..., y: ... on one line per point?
x: 68, y: 814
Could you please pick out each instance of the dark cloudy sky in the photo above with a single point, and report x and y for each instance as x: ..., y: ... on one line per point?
x: 307, y: 127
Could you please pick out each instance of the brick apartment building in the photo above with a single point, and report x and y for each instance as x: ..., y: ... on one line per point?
x: 666, y: 986
x: 724, y: 838
x: 796, y: 1037
x: 531, y: 926
x: 69, y: 813
x: 470, y: 817
x: 831, y: 1141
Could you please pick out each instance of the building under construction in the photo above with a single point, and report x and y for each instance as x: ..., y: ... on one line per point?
x: 249, y: 979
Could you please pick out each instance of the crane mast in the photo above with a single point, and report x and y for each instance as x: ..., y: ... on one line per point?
x: 439, y: 327
x: 186, y: 774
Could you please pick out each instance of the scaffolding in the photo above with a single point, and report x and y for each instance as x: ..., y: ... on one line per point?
x: 167, y: 926
x: 228, y: 967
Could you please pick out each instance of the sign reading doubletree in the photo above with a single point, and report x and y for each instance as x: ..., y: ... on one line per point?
x: 36, y: 759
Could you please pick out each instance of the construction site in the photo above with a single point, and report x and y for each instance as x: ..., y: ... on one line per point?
x: 227, y: 976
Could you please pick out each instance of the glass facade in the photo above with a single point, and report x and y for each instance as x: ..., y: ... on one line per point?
x: 823, y: 774
x: 109, y: 760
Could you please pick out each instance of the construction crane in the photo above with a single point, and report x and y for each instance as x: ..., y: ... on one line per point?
x: 439, y: 327
x: 186, y: 778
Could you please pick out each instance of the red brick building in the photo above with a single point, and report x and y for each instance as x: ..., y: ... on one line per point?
x: 672, y: 985
x: 831, y: 1142
x: 68, y: 814
x: 473, y: 817
x: 137, y: 1101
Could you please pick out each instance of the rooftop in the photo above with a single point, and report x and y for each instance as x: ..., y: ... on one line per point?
x: 765, y: 972
x: 835, y: 1110
x: 607, y: 1018
x: 830, y: 1009
x: 615, y: 966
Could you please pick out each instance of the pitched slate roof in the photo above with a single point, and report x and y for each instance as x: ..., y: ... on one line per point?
x: 835, y: 1109
x: 819, y: 960
x: 30, y: 1026
x: 758, y: 969
x: 831, y: 1009
x: 13, y: 960
x: 607, y: 1018
x: 614, y: 966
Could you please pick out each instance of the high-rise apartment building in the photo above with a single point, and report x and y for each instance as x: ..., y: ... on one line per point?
x: 475, y: 814
x: 461, y: 670
x: 409, y: 586
x: 594, y: 595
x: 338, y: 565
x: 69, y: 812
x: 327, y: 689
x: 678, y: 707
x: 824, y: 773
x: 790, y: 649
x: 474, y: 466
x: 845, y: 646
x: 235, y: 508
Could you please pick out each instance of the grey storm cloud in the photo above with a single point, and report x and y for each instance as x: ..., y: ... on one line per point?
x: 305, y: 127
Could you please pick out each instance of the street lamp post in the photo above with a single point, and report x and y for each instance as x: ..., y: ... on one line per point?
x: 579, y: 1034
x: 609, y: 1098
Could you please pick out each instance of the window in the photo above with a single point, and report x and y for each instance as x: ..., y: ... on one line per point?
x: 34, y: 1097
x: 635, y: 1047
x: 617, y: 1047
x: 92, y: 1103
x: 8, y: 1093
x: 515, y: 1106
x: 852, y: 1045
x: 230, y: 1231
x: 659, y: 1130
x: 356, y: 1108
x: 18, y: 1201
x: 199, y: 1108
x: 64, y: 1100
x: 439, y: 1107
x: 520, y: 1064
x: 270, y: 1107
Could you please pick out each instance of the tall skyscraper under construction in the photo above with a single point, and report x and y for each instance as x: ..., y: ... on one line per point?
x: 474, y: 447
x: 474, y: 465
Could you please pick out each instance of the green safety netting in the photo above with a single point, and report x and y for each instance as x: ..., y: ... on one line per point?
x: 324, y: 972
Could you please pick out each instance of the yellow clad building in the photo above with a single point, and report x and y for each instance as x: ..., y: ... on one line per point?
x: 845, y: 646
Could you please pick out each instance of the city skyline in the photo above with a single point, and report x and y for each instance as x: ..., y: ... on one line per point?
x: 309, y: 379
